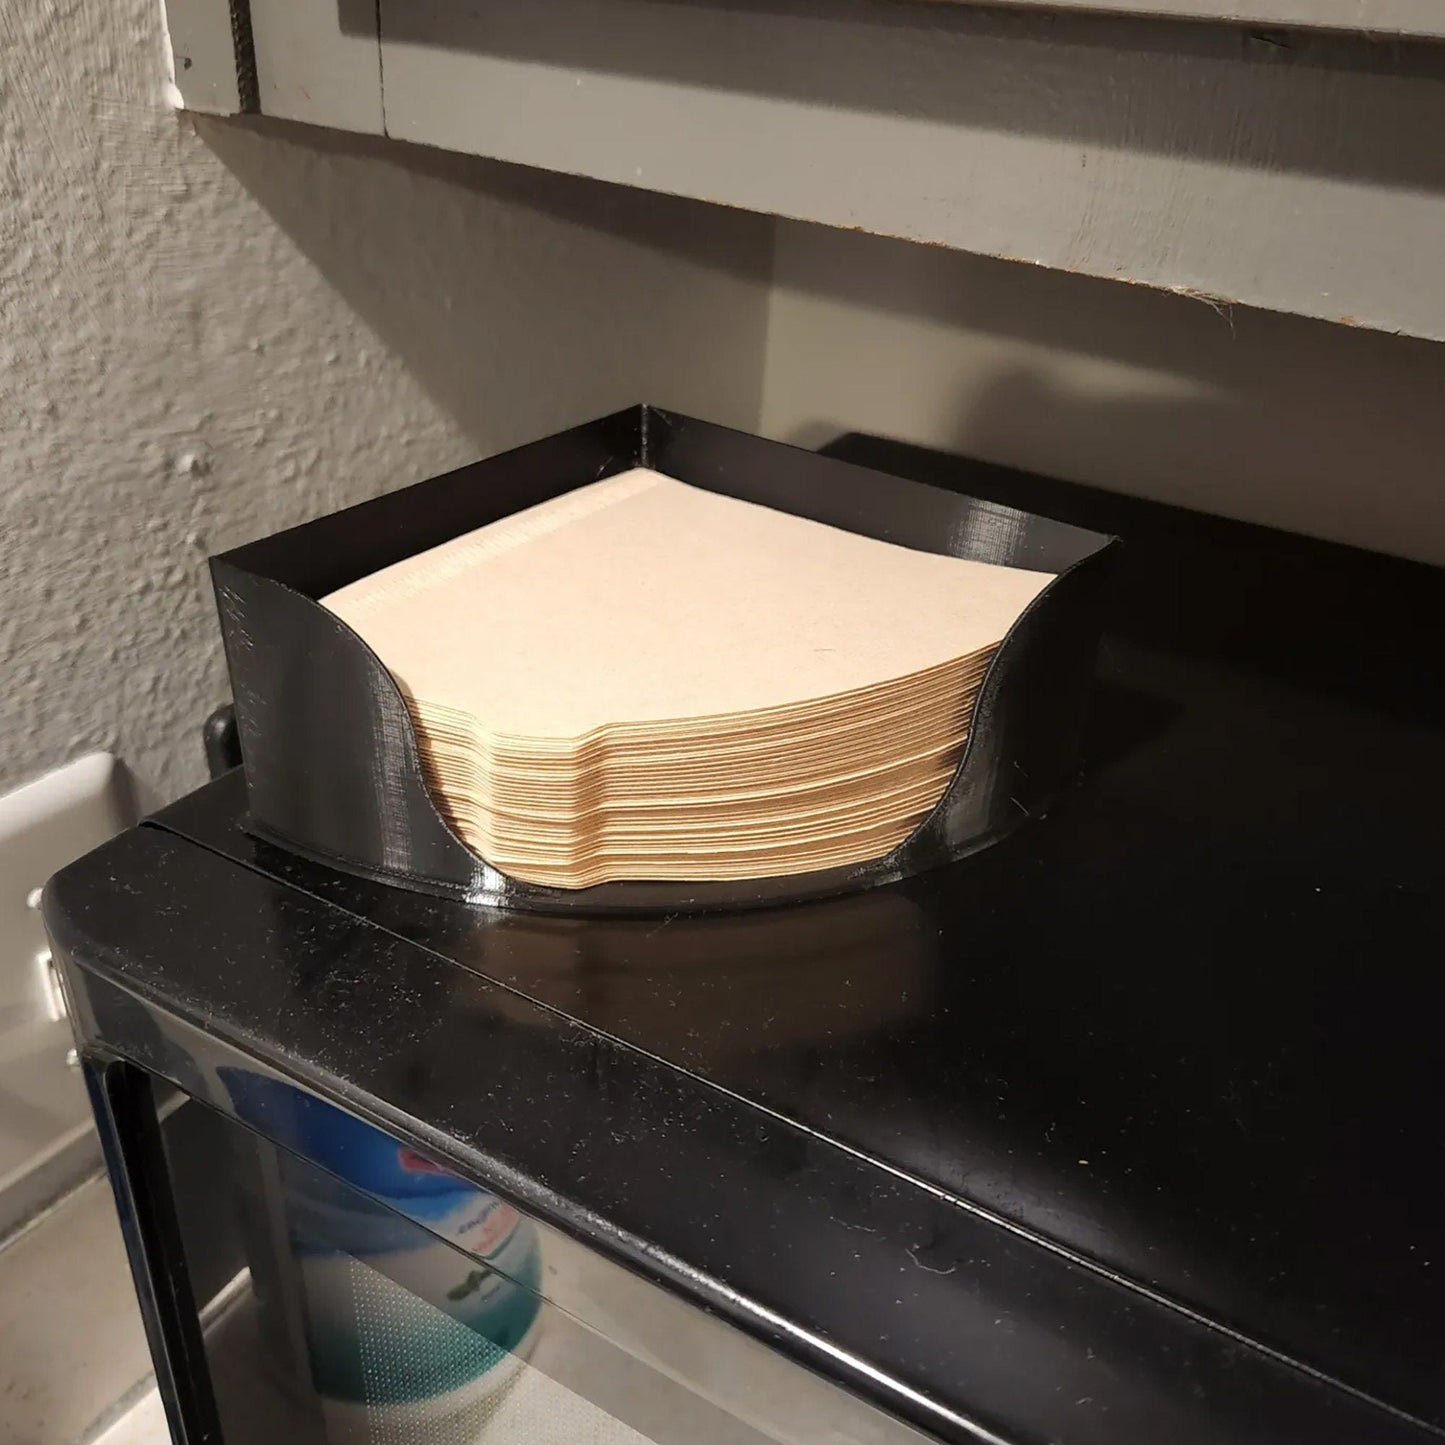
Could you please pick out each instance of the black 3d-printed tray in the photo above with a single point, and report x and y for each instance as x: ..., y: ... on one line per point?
x: 332, y: 766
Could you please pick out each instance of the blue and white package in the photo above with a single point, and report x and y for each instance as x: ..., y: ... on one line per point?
x: 395, y: 1317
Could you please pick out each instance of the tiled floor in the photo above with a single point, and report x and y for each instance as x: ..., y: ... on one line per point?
x: 71, y: 1343
x: 47, y: 1140
x: 143, y: 1424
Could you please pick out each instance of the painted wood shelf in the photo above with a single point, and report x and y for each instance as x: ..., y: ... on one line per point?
x: 1302, y: 170
x: 1379, y: 18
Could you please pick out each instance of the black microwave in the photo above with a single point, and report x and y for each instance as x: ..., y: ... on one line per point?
x: 1121, y: 1131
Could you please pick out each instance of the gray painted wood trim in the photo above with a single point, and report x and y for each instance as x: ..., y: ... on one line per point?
x: 319, y: 61
x: 1424, y: 18
x: 203, y: 54
x: 1304, y: 173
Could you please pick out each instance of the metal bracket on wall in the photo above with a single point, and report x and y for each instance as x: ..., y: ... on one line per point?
x: 47, y: 1144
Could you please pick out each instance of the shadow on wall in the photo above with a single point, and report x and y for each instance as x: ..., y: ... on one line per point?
x: 522, y: 301
x: 1316, y: 428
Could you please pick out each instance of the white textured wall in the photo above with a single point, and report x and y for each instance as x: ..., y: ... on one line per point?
x: 1295, y: 423
x: 209, y: 332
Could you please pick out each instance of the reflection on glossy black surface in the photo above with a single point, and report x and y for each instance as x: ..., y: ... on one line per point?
x: 1186, y: 1027
x: 940, y: 1316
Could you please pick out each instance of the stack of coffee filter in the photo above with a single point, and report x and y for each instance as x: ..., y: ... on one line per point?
x: 641, y: 679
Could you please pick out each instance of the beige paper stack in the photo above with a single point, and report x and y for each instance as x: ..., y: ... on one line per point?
x: 640, y: 679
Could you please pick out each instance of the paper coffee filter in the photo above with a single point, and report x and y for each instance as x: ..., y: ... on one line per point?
x: 634, y: 600
x: 692, y: 733
x: 795, y: 765
x: 640, y: 679
x: 842, y: 804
